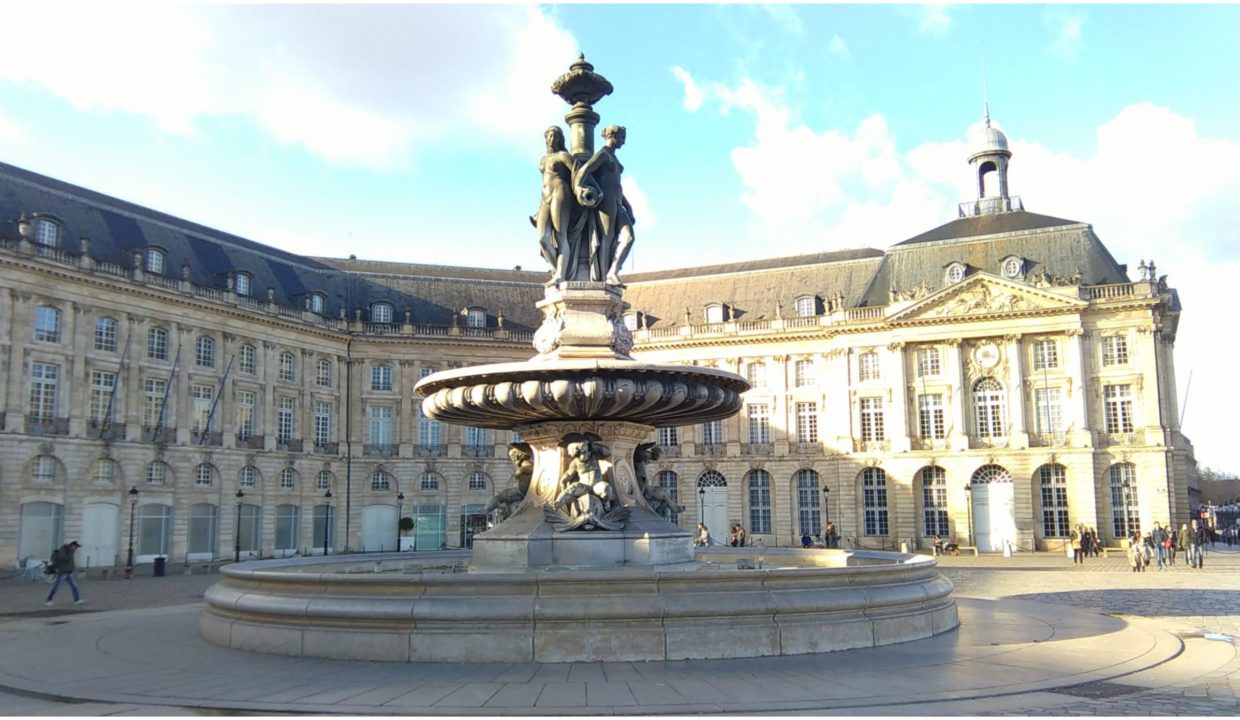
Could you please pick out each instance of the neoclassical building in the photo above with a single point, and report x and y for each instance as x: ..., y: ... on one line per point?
x: 196, y: 395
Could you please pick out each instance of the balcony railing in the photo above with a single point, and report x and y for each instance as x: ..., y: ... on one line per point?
x: 1051, y: 439
x: 920, y: 443
x: 713, y: 449
x: 990, y: 206
x: 327, y: 448
x: 757, y: 448
x: 158, y: 434
x: 384, y: 450
x: 807, y: 448
x: 1129, y: 438
x: 479, y: 451
x: 214, y: 439
x: 289, y: 444
x: 429, y: 450
x: 251, y: 442
x: 670, y: 450
x: 106, y: 431
x: 46, y: 426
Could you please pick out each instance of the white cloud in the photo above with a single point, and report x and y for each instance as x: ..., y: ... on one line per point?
x: 693, y: 94
x: 643, y: 214
x: 934, y: 20
x: 318, y: 76
x: 838, y: 48
x: 786, y: 16
x: 10, y: 132
x: 1066, y: 42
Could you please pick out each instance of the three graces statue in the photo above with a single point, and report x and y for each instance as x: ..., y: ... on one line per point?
x: 584, y: 222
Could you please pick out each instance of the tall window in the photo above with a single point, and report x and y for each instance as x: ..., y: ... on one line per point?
x: 476, y: 437
x: 988, y: 405
x: 1124, y: 519
x: 241, y: 283
x: 247, y: 359
x: 43, y: 469
x: 248, y: 477
x: 934, y: 502
x: 204, y: 352
x: 381, y: 313
x: 759, y: 501
x: 157, y: 344
x: 1053, y: 481
x: 755, y: 373
x: 807, y: 306
x: 380, y: 481
x: 381, y: 377
x: 43, y: 381
x: 430, y: 481
x: 874, y: 500
x: 153, y: 401
x: 325, y: 480
x: 1045, y: 355
x: 430, y: 432
x: 204, y: 475
x: 47, y: 324
x: 288, y: 478
x: 323, y: 373
x: 759, y: 423
x: 105, y: 334
x: 102, y: 385
x: 322, y: 423
x: 286, y: 528
x: 201, y: 396
x: 288, y: 367
x: 1115, y: 350
x: 928, y: 364
x: 46, y: 232
x: 872, y: 429
x: 318, y: 303
x: 807, y: 422
x: 930, y: 423
x: 381, y: 425
x: 476, y: 318
x: 712, y: 432
x: 1118, y: 404
x: 667, y: 480
x: 805, y: 376
x: 868, y: 368
x: 245, y: 413
x: 155, y: 261
x: 285, y: 427
x: 809, y: 503
x: 669, y: 436
x: 1048, y: 407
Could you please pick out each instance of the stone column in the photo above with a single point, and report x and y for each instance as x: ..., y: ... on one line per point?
x: 1018, y: 435
x: 957, y: 420
x: 898, y: 398
x: 1077, y: 402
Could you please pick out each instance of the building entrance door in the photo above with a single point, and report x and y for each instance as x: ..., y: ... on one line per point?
x: 100, y: 525
x: 994, y: 515
x: 379, y: 528
x: 714, y: 505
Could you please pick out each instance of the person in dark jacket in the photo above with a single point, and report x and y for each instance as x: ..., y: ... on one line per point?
x: 65, y: 566
x: 1197, y: 536
x: 1159, y: 537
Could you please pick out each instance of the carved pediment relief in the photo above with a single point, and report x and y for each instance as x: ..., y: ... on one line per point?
x: 985, y: 295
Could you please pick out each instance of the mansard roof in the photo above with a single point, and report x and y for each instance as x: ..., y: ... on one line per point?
x: 987, y: 224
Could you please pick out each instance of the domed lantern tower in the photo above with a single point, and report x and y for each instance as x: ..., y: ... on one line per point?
x: 990, y: 154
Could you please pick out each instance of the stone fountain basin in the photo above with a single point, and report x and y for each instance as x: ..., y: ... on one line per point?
x: 508, y: 395
x: 425, y: 607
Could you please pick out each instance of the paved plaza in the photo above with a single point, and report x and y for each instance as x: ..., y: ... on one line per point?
x: 1038, y: 636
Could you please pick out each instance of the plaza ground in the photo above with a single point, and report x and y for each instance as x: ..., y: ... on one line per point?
x: 1039, y: 636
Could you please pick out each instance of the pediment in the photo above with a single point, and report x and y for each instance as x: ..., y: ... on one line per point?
x: 987, y: 295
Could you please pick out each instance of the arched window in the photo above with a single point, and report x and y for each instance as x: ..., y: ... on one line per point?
x: 1124, y: 518
x: 248, y: 477
x: 667, y: 480
x: 809, y: 502
x: 807, y: 306
x: 991, y: 474
x: 288, y: 478
x: 381, y: 312
x: 934, y: 502
x: 874, y: 501
x: 476, y: 317
x: 630, y: 320
x: 714, y: 313
x: 157, y: 473
x: 759, y: 482
x: 47, y: 324
x: 477, y: 480
x: 1053, y: 482
x: 325, y: 480
x: 204, y: 475
x: 154, y: 261
x: 47, y: 232
x: 380, y: 481
x: 43, y: 470
x: 430, y: 481
x: 989, y: 402
x: 288, y: 367
x: 241, y: 283
x: 204, y: 352
x: 105, y: 334
x: 318, y: 303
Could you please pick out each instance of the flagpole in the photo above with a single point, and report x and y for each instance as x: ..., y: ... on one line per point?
x: 163, y: 407
x: 120, y: 373
x: 206, y: 430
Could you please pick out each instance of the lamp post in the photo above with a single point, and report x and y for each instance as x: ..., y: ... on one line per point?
x: 400, y: 504
x: 133, y: 508
x: 826, y: 514
x: 327, y: 519
x: 1124, y: 488
x: 237, y: 540
x: 701, y: 504
x: 968, y: 490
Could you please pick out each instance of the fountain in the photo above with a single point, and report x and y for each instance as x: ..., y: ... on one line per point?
x: 582, y: 567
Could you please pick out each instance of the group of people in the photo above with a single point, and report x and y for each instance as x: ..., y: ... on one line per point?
x: 1161, y: 545
x: 1084, y: 544
x: 828, y: 538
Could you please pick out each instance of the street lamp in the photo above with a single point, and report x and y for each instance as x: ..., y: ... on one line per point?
x: 237, y: 542
x: 400, y: 504
x: 1124, y: 486
x: 327, y: 518
x: 701, y: 504
x: 968, y: 489
x: 826, y: 514
x: 133, y: 507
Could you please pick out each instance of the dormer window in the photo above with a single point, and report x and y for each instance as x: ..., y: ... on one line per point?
x: 241, y: 283
x: 47, y: 232
x: 807, y: 306
x: 714, y: 313
x: 475, y: 317
x: 630, y: 320
x: 1012, y: 267
x: 318, y: 303
x: 955, y: 273
x: 154, y: 261
x: 381, y: 312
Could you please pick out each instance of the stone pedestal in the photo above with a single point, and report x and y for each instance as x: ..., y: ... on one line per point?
x: 526, y: 541
x: 583, y: 320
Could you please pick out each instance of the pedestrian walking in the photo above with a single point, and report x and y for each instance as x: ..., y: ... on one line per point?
x: 1182, y: 543
x: 64, y: 565
x: 1159, y: 538
x: 1078, y: 545
x: 1172, y: 535
x: 1136, y: 558
x: 1095, y: 547
x: 1197, y: 535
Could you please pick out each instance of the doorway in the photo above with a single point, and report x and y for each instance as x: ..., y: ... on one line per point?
x: 713, y: 497
x: 100, y: 530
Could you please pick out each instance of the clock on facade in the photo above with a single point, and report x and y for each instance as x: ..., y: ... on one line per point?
x: 986, y: 355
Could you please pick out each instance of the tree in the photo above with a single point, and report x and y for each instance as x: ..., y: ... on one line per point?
x: 406, y: 524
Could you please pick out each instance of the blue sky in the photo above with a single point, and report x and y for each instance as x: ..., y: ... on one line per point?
x: 412, y: 133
